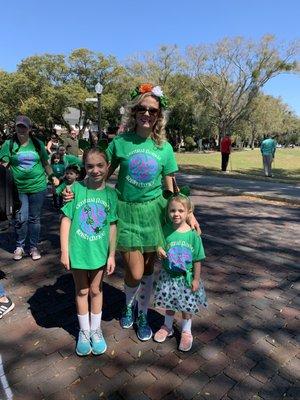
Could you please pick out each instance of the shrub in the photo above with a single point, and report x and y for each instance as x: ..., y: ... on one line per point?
x: 189, y: 143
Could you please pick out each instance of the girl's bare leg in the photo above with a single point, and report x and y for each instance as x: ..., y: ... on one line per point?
x: 134, y: 267
x: 81, y: 280
x: 96, y: 294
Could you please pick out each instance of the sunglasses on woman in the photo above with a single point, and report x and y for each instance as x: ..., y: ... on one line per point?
x: 151, y: 110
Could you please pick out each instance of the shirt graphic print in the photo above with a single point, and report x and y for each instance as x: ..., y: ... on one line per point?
x: 142, y: 168
x: 91, y: 212
x: 27, y: 159
x: 91, y: 219
x: 179, y: 257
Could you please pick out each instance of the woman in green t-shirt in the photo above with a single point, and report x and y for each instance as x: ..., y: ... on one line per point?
x: 147, y: 164
x: 28, y: 160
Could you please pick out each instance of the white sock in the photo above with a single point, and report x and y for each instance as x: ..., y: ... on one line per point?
x: 145, y: 293
x: 186, y: 325
x: 130, y: 293
x: 84, y: 322
x: 169, y: 321
x: 95, y: 321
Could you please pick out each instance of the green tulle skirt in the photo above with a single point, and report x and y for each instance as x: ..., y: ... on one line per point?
x: 140, y: 225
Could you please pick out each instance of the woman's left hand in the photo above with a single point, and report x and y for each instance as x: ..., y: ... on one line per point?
x: 111, y: 265
x: 194, y: 224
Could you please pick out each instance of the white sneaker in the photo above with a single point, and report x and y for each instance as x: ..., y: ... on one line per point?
x: 18, y: 254
x: 35, y: 254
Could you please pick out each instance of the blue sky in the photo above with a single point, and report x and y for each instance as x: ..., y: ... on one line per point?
x: 123, y: 28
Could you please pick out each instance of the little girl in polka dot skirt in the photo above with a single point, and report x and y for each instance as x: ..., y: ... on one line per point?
x: 179, y: 287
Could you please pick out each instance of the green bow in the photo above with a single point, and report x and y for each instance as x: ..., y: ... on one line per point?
x: 184, y: 191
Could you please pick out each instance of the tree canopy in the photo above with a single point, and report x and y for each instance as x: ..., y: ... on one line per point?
x: 213, y: 89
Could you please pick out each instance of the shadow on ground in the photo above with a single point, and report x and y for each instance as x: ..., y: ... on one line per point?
x: 245, y: 343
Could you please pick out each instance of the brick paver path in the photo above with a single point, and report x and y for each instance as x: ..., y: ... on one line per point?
x: 245, y: 343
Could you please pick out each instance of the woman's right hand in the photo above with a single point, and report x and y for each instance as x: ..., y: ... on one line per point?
x: 64, y: 259
x: 67, y: 194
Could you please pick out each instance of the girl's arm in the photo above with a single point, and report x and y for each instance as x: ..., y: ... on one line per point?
x: 48, y: 147
x: 64, y: 242
x: 196, y: 280
x: 111, y: 263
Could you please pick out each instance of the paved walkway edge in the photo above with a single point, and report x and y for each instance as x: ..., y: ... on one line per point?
x: 240, y: 192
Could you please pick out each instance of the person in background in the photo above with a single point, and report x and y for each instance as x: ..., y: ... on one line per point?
x: 53, y: 144
x: 94, y: 138
x: 68, y: 159
x: 199, y: 144
x: 268, y: 149
x: 58, y: 168
x: 72, y: 174
x: 57, y: 165
x: 225, y: 148
x: 28, y: 160
x: 6, y: 304
x: 71, y: 144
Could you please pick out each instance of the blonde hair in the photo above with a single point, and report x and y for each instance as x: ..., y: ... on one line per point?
x: 184, y: 200
x: 128, y: 122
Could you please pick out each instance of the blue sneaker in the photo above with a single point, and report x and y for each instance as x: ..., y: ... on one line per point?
x: 127, y: 318
x: 144, y: 331
x: 98, y: 342
x: 83, y: 347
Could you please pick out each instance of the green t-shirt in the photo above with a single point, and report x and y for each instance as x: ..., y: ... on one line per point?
x: 142, y: 166
x: 69, y: 159
x: 58, y: 169
x: 183, y: 249
x: 25, y: 162
x: 91, y: 213
x: 268, y: 147
x: 60, y: 188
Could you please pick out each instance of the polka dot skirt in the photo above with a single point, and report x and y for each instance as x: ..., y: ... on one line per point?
x: 174, y: 294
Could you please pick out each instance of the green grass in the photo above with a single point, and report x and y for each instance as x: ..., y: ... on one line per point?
x: 244, y: 164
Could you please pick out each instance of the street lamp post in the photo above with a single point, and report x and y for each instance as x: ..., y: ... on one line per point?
x: 99, y: 89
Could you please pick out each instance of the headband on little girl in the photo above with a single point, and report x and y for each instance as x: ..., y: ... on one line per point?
x: 149, y: 88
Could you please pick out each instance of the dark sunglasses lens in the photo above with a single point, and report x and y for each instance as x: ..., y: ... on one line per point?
x: 143, y: 110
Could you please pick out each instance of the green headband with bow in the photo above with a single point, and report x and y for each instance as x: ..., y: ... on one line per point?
x: 183, y: 191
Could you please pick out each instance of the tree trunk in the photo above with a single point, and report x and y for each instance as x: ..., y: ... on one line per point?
x: 253, y: 135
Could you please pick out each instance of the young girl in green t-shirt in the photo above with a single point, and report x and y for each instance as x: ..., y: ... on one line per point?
x: 87, y: 236
x: 179, y: 287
